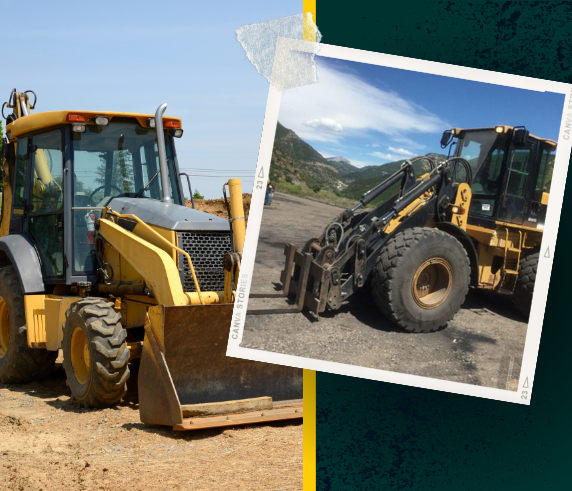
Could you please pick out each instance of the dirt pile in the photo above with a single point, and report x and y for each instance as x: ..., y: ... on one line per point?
x: 217, y: 206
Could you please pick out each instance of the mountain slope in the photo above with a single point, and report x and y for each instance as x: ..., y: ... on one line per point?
x: 297, y: 167
x: 342, y: 165
x: 296, y: 162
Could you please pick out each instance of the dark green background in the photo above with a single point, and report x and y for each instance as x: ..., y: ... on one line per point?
x: 373, y: 435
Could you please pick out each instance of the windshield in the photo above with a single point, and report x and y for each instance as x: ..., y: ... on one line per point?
x: 118, y: 160
x: 485, y: 152
x: 108, y: 162
x: 475, y: 146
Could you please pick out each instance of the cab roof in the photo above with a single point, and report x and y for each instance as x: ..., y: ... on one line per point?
x: 506, y: 129
x: 38, y: 121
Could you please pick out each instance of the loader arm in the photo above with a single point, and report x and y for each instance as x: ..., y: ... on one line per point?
x: 155, y: 266
x: 184, y: 370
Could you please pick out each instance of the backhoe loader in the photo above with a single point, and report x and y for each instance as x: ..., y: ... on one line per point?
x: 100, y: 258
x: 436, y: 228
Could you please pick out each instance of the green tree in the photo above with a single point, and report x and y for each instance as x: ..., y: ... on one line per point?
x: 197, y: 195
x: 121, y: 172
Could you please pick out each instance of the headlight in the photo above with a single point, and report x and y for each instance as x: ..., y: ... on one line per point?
x: 176, y: 132
x: 78, y: 128
x: 101, y: 120
x: 151, y: 122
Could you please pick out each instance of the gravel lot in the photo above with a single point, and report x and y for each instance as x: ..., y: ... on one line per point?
x: 482, y: 345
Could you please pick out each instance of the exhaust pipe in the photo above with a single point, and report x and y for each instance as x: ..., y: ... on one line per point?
x: 162, y: 153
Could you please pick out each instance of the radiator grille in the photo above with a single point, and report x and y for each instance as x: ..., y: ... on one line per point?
x: 207, y: 250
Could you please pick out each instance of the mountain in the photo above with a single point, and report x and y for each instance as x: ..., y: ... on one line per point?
x: 296, y: 162
x: 296, y: 166
x: 342, y: 165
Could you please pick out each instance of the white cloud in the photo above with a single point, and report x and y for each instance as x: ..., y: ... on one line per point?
x: 386, y: 156
x: 359, y: 163
x: 324, y: 124
x: 401, y: 151
x: 342, y: 104
x: 409, y: 142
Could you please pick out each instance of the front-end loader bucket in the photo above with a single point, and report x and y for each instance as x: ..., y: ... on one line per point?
x: 187, y: 381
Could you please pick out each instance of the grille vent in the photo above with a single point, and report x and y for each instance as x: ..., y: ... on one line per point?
x: 207, y: 250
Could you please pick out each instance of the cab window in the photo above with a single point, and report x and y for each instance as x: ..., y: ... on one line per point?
x: 544, y: 179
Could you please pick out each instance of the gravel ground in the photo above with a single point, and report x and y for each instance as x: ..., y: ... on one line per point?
x: 48, y: 444
x: 482, y: 345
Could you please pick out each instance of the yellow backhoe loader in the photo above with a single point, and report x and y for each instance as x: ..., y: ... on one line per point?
x: 434, y: 229
x: 100, y: 257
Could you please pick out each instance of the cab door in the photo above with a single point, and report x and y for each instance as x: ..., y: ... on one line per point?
x: 45, y: 201
x: 515, y: 204
x: 540, y: 192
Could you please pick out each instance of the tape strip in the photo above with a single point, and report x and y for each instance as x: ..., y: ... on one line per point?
x: 285, y: 64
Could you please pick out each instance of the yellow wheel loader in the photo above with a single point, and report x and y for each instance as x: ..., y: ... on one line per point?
x: 100, y: 257
x: 437, y: 228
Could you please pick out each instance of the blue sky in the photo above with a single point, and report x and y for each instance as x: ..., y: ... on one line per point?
x: 373, y: 115
x: 133, y: 56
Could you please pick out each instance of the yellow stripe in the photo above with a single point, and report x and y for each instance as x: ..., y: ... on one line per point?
x: 309, y: 432
x: 310, y: 30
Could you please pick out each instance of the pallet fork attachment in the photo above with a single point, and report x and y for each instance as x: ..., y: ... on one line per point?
x: 329, y: 269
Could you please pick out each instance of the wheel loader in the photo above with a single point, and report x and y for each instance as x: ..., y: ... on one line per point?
x: 101, y: 259
x: 432, y: 230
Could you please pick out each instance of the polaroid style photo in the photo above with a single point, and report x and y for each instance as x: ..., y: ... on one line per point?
x: 403, y: 224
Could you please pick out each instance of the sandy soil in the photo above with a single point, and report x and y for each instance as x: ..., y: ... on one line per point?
x: 48, y: 444
x: 217, y: 206
x: 482, y: 345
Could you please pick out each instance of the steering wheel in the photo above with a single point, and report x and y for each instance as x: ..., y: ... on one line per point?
x: 101, y: 187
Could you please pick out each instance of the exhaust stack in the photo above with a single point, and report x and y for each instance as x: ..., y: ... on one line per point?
x: 162, y: 153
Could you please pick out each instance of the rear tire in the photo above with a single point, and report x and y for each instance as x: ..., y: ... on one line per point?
x: 522, y: 295
x: 95, y: 353
x: 421, y: 279
x: 19, y: 364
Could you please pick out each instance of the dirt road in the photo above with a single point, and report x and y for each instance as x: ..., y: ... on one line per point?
x: 482, y: 345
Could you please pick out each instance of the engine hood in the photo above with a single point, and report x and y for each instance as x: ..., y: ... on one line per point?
x: 169, y: 216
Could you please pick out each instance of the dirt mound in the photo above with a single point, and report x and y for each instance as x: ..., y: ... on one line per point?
x: 12, y: 422
x: 217, y: 207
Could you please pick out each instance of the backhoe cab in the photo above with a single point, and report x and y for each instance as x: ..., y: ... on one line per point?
x: 101, y: 258
x: 434, y: 229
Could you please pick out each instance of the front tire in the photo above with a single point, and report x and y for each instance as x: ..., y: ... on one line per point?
x: 421, y: 279
x: 524, y: 288
x: 19, y: 364
x: 95, y: 353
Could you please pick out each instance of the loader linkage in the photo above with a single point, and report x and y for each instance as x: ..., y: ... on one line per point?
x: 327, y: 270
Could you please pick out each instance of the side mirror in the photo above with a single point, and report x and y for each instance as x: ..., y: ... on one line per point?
x: 190, y: 188
x: 520, y: 137
x: 446, y: 138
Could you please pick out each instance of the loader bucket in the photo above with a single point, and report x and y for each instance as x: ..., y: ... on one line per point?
x: 187, y: 381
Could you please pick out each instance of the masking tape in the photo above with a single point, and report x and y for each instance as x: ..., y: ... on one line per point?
x: 278, y: 51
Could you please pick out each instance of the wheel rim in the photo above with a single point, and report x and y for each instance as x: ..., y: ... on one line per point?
x: 4, y: 327
x: 432, y: 283
x: 80, y: 355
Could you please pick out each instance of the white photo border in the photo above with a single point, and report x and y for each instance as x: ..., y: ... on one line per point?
x: 532, y: 342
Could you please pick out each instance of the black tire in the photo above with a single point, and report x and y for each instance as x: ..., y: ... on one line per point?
x: 399, y: 262
x: 104, y: 381
x: 522, y: 295
x: 18, y: 363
